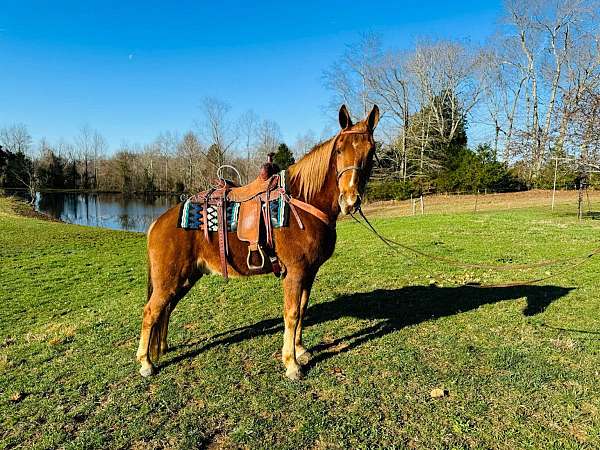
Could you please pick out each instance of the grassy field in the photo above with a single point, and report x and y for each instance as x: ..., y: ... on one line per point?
x: 521, y: 366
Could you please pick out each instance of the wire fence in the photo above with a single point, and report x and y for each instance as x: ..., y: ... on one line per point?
x: 453, y: 202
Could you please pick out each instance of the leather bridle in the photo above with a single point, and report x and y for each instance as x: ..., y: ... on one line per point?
x: 347, y: 168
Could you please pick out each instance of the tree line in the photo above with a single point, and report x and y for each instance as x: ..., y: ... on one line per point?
x: 531, y: 96
x: 172, y: 162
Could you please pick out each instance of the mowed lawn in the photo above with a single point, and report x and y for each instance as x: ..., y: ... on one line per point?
x: 521, y: 365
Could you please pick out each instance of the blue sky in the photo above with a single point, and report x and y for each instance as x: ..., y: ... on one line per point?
x: 134, y: 69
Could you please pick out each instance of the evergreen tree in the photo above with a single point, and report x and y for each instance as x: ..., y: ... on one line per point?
x: 71, y: 175
x: 436, y: 135
x: 283, y: 157
x: 16, y: 169
x: 50, y: 171
x: 3, y: 166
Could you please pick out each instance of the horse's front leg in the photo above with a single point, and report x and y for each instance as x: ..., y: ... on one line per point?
x: 292, y: 293
x: 303, y: 356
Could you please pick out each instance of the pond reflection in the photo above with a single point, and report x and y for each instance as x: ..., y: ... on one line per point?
x: 116, y: 211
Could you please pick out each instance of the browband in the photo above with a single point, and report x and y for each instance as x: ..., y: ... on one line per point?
x: 354, y: 132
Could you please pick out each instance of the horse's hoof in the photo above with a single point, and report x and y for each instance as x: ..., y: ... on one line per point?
x: 294, y: 374
x: 304, y: 358
x: 146, y: 371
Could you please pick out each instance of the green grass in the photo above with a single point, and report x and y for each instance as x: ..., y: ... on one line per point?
x: 521, y: 365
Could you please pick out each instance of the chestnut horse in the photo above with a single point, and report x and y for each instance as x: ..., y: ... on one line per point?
x: 331, y: 177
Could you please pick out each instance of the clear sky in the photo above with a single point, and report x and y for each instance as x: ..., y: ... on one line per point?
x: 132, y: 69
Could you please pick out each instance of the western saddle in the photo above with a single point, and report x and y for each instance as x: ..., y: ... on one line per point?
x: 254, y: 214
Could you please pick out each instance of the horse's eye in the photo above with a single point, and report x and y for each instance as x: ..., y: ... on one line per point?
x: 338, y: 151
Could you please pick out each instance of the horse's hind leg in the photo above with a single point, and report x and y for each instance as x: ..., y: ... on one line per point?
x: 164, y: 331
x: 181, y: 292
x: 155, y: 315
x: 155, y: 324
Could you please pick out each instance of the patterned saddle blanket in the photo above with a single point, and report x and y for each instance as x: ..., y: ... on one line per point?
x: 191, y: 214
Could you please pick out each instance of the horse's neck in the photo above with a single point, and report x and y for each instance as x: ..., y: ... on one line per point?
x: 326, y: 199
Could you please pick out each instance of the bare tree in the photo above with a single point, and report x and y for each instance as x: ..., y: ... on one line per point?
x: 167, y: 144
x: 65, y: 149
x: 247, y: 125
x: 269, y: 138
x: 447, y: 71
x: 15, y: 138
x: 216, y: 129
x: 434, y: 75
x: 581, y: 80
x: 550, y: 38
x: 350, y: 78
x: 85, y: 151
x: 191, y: 152
x: 304, y: 143
x: 90, y: 146
x: 99, y: 147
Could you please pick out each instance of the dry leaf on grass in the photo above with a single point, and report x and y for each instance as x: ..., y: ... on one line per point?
x: 439, y: 393
x: 17, y: 397
x: 338, y: 373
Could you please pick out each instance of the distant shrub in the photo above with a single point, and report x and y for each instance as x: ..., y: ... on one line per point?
x: 469, y: 171
x: 389, y: 190
x: 465, y: 170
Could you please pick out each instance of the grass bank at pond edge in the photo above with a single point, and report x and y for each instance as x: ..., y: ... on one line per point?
x: 15, y: 207
x: 520, y: 365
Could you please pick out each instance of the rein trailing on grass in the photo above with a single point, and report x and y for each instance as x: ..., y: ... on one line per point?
x: 394, y: 245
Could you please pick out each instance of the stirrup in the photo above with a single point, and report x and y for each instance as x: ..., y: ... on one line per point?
x: 262, y: 257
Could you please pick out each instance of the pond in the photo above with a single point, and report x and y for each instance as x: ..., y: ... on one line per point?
x: 115, y: 211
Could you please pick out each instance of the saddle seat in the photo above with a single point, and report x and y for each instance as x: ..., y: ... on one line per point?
x: 253, y: 189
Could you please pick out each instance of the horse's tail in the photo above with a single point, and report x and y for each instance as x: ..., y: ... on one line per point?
x: 155, y: 336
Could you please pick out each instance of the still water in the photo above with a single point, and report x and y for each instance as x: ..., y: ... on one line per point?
x: 116, y: 211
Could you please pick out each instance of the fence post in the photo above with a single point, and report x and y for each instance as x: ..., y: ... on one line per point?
x: 422, y: 205
x: 580, y: 202
x: 554, y: 184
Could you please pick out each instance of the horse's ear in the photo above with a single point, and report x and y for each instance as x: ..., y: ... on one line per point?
x: 345, y: 120
x: 373, y: 118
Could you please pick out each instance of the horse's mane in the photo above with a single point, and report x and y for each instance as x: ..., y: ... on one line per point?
x: 310, y: 172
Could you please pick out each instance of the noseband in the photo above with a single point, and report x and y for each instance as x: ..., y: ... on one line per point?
x: 347, y: 168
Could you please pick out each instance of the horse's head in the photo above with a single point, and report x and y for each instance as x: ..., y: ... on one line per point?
x: 353, y: 155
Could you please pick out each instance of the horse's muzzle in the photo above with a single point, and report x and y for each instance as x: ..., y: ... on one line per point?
x: 349, y: 202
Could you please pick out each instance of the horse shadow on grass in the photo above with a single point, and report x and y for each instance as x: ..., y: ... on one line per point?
x: 392, y: 309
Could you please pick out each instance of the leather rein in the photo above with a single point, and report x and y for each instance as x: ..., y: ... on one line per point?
x: 396, y: 246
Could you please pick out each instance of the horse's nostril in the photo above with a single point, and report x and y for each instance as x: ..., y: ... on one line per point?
x: 351, y: 199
